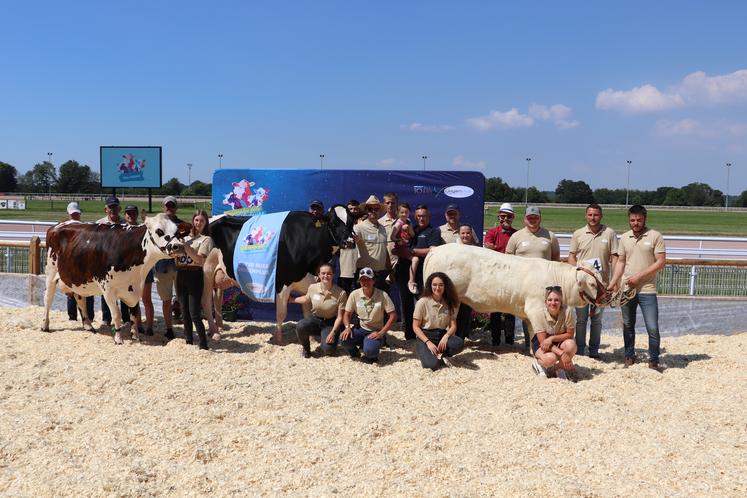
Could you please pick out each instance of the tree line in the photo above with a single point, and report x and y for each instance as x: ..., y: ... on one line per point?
x: 579, y: 192
x: 72, y: 176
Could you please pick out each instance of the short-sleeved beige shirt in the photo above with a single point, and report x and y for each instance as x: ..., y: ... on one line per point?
x: 639, y: 254
x: 371, y: 312
x: 106, y: 221
x: 372, y: 245
x: 326, y: 303
x: 564, y: 321
x: 533, y: 245
x: 449, y: 235
x: 202, y: 246
x: 432, y: 315
x: 388, y: 224
x: 595, y: 249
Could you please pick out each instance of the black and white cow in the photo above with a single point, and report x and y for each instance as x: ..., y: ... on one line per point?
x: 88, y: 259
x: 304, y: 244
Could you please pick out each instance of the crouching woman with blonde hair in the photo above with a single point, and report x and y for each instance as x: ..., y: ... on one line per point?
x: 554, y: 345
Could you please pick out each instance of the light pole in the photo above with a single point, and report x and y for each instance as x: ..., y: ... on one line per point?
x: 424, y: 159
x: 526, y: 192
x: 627, y: 185
x: 321, y: 161
x: 49, y: 180
x: 220, y: 161
x: 189, y: 167
x: 728, y: 167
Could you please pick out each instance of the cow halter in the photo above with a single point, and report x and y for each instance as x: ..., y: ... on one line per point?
x: 600, y: 286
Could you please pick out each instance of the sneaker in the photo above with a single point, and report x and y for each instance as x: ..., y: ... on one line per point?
x: 630, y: 361
x: 369, y: 361
x: 594, y: 356
x: 654, y: 365
x: 447, y: 362
x: 305, y: 353
x: 538, y: 369
x: 561, y: 375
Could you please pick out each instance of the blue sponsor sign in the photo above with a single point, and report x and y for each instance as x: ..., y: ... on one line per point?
x: 255, y: 256
x: 127, y: 167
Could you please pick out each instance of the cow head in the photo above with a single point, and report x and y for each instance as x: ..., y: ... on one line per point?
x: 165, y: 234
x: 590, y: 286
x: 340, y: 224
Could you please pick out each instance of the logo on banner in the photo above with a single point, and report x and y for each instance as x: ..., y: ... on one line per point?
x: 243, y: 200
x: 459, y: 191
x: 258, y: 239
x: 131, y: 169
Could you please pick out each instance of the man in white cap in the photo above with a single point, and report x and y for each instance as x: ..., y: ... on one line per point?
x: 73, y: 212
x: 497, y: 239
x: 165, y: 272
x: 372, y: 241
x: 533, y: 241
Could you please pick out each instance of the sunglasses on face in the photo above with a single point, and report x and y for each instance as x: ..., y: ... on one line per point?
x: 372, y: 209
x: 506, y: 216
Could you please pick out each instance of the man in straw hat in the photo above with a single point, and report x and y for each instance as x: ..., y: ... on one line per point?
x: 497, y: 239
x: 371, y: 240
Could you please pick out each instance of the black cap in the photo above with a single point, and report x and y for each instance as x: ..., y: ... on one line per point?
x: 452, y: 207
x: 132, y: 207
x: 316, y: 202
x: 112, y: 201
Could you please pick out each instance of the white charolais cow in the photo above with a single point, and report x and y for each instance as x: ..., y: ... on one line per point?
x: 489, y: 281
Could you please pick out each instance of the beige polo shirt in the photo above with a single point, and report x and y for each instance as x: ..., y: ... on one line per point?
x: 372, y: 244
x: 388, y: 224
x: 202, y: 245
x: 533, y: 245
x: 639, y: 254
x: 595, y: 249
x: 432, y: 315
x: 555, y: 326
x: 326, y: 303
x: 449, y: 235
x: 371, y: 312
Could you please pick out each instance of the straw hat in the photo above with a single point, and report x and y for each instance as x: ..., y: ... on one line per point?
x: 373, y: 201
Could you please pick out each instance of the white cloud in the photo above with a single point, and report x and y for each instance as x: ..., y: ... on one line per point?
x: 502, y: 120
x: 698, y: 88
x: 426, y: 128
x: 646, y: 98
x: 558, y: 114
x: 389, y: 161
x: 461, y: 162
x: 694, y: 128
x: 695, y: 89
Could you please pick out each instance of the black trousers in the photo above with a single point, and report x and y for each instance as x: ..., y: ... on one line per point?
x: 72, y: 308
x: 454, y: 346
x: 189, y: 293
x: 406, y: 298
x: 313, y: 325
x: 502, y: 322
x: 106, y: 313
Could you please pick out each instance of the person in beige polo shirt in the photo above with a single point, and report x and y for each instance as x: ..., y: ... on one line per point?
x: 533, y: 241
x: 372, y: 241
x: 642, y: 255
x: 434, y: 322
x: 450, y: 229
x: 593, y: 245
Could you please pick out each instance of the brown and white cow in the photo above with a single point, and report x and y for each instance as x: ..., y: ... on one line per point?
x: 88, y: 259
x: 489, y: 281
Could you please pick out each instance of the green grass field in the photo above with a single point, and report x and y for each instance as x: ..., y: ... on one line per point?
x: 557, y: 219
x: 90, y: 210
x: 679, y: 222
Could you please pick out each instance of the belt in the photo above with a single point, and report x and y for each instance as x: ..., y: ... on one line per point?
x: 189, y: 268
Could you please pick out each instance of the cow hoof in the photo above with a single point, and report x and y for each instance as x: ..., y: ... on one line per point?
x: 278, y: 340
x: 45, y: 329
x: 88, y: 327
x: 118, y: 338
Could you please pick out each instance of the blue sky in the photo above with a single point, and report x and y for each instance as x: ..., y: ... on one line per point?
x: 580, y: 87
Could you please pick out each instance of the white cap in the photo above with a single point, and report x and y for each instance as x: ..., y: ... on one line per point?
x: 73, y: 207
x: 506, y: 207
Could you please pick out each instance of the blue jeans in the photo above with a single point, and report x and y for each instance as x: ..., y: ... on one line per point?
x: 650, y: 310
x: 360, y: 338
x: 595, y: 335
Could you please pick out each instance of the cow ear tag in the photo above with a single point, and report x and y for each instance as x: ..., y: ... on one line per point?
x: 318, y: 224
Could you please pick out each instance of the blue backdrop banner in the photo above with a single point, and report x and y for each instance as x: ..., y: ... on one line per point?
x: 127, y: 167
x: 255, y: 256
x: 254, y: 191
